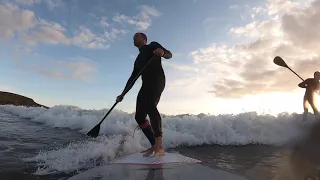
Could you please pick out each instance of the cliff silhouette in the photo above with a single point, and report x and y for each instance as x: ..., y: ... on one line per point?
x: 7, y: 98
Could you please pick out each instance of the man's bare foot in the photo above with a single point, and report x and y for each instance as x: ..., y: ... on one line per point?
x: 158, y: 149
x: 148, y: 152
x: 159, y: 152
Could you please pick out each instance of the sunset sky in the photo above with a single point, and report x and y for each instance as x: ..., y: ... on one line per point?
x: 81, y: 52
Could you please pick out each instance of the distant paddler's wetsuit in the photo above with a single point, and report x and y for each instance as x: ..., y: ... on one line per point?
x: 153, y: 84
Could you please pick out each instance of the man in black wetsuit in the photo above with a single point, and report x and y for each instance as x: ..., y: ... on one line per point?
x: 153, y: 84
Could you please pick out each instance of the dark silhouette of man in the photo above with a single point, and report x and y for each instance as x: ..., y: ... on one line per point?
x: 312, y: 88
x: 153, y: 84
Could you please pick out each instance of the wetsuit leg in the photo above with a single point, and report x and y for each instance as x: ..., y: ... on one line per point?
x: 305, y: 107
x: 141, y: 115
x: 154, y: 94
x: 313, y: 105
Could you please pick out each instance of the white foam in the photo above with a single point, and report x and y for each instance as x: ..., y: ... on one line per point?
x: 241, y: 129
x: 83, y: 154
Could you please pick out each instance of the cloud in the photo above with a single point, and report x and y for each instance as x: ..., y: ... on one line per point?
x: 52, y: 4
x: 29, y: 2
x: 72, y: 68
x: 142, y: 21
x: 47, y: 33
x: 146, y: 11
x: 32, y: 30
x: 103, y: 22
x: 234, y: 7
x: 180, y: 67
x: 23, y: 23
x: 14, y: 20
x: 86, y: 39
x: 247, y: 68
x: 256, y: 11
x: 301, y: 28
x: 207, y: 20
x: 275, y: 7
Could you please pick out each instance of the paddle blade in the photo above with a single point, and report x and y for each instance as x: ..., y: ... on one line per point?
x: 94, y: 132
x: 280, y: 62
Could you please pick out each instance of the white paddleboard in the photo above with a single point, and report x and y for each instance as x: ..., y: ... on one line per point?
x: 168, y: 158
x: 171, y: 166
x: 190, y: 171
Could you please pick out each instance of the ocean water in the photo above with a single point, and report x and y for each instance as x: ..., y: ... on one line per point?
x: 38, y: 143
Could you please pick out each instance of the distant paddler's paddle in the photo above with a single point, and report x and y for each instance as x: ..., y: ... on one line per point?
x: 280, y: 62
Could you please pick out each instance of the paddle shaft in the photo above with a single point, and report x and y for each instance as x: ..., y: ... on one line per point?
x: 114, y: 105
x: 280, y: 62
x: 295, y: 73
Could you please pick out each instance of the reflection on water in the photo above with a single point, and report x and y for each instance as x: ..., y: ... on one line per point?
x: 155, y: 173
x: 252, y: 161
x: 226, y: 161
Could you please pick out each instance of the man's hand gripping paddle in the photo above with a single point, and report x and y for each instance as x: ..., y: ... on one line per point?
x: 280, y: 62
x: 94, y: 132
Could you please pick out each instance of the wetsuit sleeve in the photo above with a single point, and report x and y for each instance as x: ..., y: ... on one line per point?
x: 133, y: 78
x: 304, y: 83
x: 167, y: 54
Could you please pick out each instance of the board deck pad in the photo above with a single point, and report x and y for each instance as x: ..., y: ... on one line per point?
x: 138, y: 158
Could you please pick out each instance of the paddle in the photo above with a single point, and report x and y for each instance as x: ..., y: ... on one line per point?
x: 279, y: 61
x: 94, y: 132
